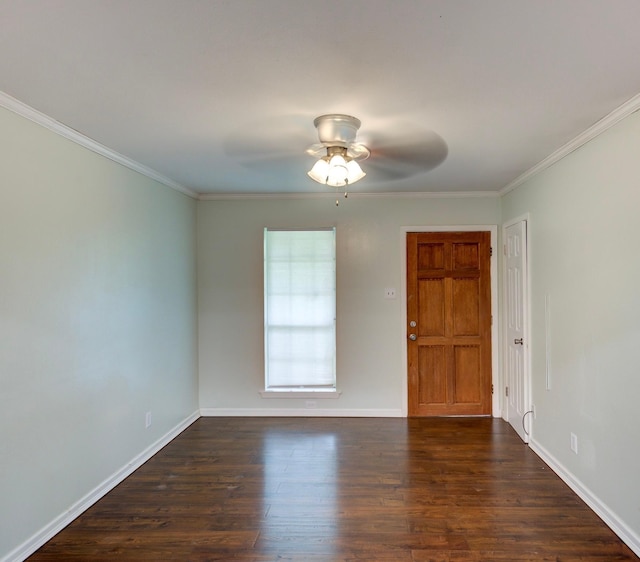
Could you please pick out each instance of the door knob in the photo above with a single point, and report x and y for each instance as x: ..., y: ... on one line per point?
x: 519, y: 341
x: 413, y: 337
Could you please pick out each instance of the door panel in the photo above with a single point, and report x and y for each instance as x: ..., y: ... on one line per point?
x: 465, y: 256
x: 449, y: 298
x: 466, y: 307
x: 433, y: 360
x: 467, y: 365
x: 431, y: 256
x: 431, y: 320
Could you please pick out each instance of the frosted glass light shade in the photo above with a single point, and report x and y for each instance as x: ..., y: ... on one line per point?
x: 320, y: 171
x: 355, y: 171
x: 337, y: 160
x: 338, y: 171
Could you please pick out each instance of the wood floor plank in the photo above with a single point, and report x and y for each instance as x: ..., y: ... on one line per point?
x: 344, y: 490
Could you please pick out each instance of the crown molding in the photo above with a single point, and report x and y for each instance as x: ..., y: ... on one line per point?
x: 68, y: 133
x: 352, y: 195
x: 28, y: 112
x: 617, y: 115
x: 430, y: 194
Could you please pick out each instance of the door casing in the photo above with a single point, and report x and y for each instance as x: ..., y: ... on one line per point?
x: 496, y: 403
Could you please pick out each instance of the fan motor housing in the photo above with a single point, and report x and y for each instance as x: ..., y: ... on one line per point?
x: 336, y: 129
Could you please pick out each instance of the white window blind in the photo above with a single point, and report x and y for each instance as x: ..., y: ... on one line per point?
x: 300, y: 309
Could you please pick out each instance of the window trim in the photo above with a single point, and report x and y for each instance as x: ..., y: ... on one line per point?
x: 332, y: 393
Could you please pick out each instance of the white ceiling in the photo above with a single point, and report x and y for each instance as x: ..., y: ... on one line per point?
x: 220, y: 95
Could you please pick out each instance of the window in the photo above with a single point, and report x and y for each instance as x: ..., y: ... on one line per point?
x: 300, y: 309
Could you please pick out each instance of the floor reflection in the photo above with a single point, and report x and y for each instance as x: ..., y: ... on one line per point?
x: 372, y: 488
x: 299, y: 496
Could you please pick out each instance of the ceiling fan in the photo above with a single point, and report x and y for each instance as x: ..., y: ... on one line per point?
x: 338, y: 152
x: 388, y: 153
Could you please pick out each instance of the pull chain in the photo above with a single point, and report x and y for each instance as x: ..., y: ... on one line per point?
x: 346, y: 196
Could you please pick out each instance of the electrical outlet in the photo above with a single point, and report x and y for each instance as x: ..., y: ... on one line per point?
x: 574, y: 443
x: 147, y: 420
x: 310, y: 404
x: 390, y: 293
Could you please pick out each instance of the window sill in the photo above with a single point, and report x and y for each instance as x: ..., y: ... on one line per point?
x: 301, y: 393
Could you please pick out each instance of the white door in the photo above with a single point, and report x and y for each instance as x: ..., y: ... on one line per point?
x: 517, y: 376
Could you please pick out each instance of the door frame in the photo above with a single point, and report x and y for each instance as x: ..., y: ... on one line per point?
x: 526, y: 321
x: 496, y: 402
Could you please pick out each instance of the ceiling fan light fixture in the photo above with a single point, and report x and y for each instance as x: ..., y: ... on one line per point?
x: 338, y: 167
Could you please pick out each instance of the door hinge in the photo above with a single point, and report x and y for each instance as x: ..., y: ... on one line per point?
x: 491, y: 389
x: 506, y: 391
x: 490, y: 251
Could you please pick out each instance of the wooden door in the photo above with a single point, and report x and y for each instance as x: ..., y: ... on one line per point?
x: 517, y: 387
x: 449, y: 323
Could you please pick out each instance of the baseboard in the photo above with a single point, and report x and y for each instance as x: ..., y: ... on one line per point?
x: 619, y: 527
x: 300, y: 412
x: 50, y: 530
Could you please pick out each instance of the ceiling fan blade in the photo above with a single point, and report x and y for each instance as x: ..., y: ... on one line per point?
x: 382, y: 172
x: 275, y: 142
x: 256, y: 154
x: 403, y: 156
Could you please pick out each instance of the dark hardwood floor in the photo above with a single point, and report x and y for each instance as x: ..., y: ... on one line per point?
x: 330, y: 489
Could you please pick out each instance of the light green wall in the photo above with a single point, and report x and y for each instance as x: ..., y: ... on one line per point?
x: 370, y: 245
x: 97, y: 321
x: 583, y: 234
